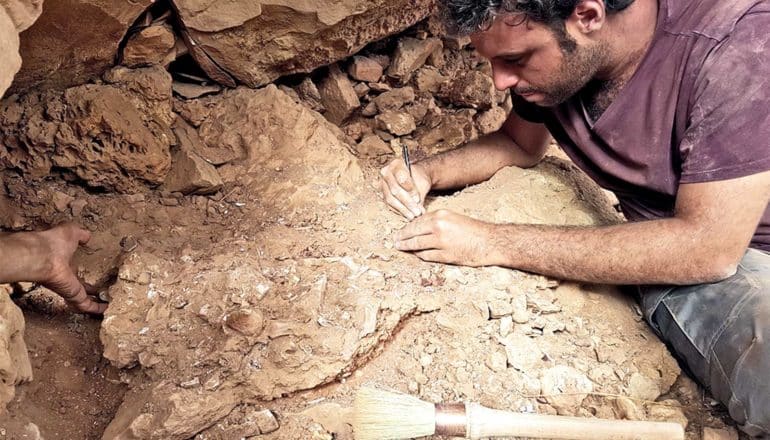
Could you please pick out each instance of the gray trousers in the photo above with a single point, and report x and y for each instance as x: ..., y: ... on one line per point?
x: 721, y: 333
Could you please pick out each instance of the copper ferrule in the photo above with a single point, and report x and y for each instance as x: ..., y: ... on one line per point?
x: 451, y: 419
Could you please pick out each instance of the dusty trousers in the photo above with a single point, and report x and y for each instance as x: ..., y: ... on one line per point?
x: 721, y: 333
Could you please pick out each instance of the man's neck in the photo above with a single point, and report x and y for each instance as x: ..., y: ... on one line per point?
x: 629, y: 36
x: 630, y: 33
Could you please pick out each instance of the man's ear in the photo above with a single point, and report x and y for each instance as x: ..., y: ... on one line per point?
x: 589, y: 16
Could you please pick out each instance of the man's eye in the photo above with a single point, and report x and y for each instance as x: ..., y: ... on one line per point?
x: 518, y: 61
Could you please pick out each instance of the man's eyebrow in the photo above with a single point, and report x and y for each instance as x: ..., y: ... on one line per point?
x: 512, y: 54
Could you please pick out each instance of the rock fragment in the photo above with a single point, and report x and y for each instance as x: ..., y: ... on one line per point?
x: 338, y: 96
x: 491, y: 120
x: 472, y: 89
x: 395, y: 99
x: 728, y: 433
x: 190, y: 174
x: 430, y: 80
x: 410, y: 55
x: 371, y: 145
x: 396, y: 123
x: 365, y: 69
x: 565, y: 388
x: 309, y: 94
x: 152, y: 45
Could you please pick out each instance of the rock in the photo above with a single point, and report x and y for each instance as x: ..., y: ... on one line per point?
x: 361, y: 89
x: 308, y: 93
x: 15, y: 367
x: 668, y: 411
x: 188, y: 138
x: 506, y: 325
x: 450, y: 132
x: 169, y: 412
x: 77, y: 207
x: 565, y: 388
x: 522, y: 353
x: 357, y: 129
x: 472, y: 89
x: 380, y: 87
x: 365, y: 69
x: 190, y: 174
x: 369, y: 110
x: 491, y: 120
x: 410, y: 55
x: 456, y: 43
x: 371, y: 146
x: 395, y: 99
x: 192, y: 91
x: 256, y: 42
x: 397, y: 123
x: 338, y: 96
x: 57, y: 54
x: 246, y: 322
x: 61, y: 201
x: 499, y: 308
x: 10, y: 61
x: 430, y: 80
x: 496, y: 362
x: 626, y: 409
x: 728, y: 433
x: 642, y: 387
x: 152, y: 45
x: 266, y: 421
x: 113, y: 136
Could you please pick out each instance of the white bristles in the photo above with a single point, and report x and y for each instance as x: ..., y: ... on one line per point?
x: 382, y: 415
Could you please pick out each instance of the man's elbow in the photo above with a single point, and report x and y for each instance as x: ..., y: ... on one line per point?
x: 720, y: 269
x: 721, y: 272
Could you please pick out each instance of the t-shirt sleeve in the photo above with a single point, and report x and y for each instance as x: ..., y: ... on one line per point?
x: 728, y: 134
x: 526, y: 110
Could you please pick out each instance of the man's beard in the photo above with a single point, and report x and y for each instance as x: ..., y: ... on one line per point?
x: 577, y: 69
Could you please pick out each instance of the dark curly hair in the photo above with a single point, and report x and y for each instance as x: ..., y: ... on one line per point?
x: 464, y: 17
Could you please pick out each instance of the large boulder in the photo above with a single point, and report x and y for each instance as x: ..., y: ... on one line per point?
x: 254, y: 42
x: 15, y: 16
x: 15, y: 367
x: 114, y: 136
x: 73, y: 41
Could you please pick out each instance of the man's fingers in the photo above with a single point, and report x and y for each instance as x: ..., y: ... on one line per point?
x: 418, y: 243
x: 433, y: 255
x: 76, y: 296
x: 394, y: 203
x: 421, y: 226
x: 83, y: 236
x: 396, y: 189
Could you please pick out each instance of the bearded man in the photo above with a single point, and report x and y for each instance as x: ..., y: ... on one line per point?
x: 665, y: 103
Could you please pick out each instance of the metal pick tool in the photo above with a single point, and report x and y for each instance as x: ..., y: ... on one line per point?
x: 405, y: 153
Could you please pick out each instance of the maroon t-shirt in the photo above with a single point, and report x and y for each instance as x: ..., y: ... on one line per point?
x: 696, y: 110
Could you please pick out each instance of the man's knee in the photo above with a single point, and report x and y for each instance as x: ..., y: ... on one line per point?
x: 749, y: 401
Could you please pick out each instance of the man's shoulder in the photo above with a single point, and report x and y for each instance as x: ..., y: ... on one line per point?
x: 712, y: 19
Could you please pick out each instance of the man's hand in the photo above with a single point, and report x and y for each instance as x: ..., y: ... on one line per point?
x: 403, y: 193
x: 447, y: 237
x: 60, y: 244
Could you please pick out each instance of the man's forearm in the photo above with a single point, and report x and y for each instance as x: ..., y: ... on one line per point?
x: 663, y: 251
x: 21, y: 258
x: 476, y: 161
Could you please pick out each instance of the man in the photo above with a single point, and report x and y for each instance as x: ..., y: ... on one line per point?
x: 42, y: 257
x: 666, y: 103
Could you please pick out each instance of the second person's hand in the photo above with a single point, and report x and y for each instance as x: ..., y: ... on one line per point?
x: 403, y: 193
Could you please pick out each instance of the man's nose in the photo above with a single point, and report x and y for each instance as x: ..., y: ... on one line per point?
x: 504, y: 79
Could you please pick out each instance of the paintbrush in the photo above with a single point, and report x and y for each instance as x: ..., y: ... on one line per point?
x: 381, y: 415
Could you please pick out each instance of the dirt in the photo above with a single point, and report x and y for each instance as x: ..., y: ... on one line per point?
x: 256, y: 303
x: 75, y: 391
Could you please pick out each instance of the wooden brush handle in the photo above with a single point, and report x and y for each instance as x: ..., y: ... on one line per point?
x: 485, y: 422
